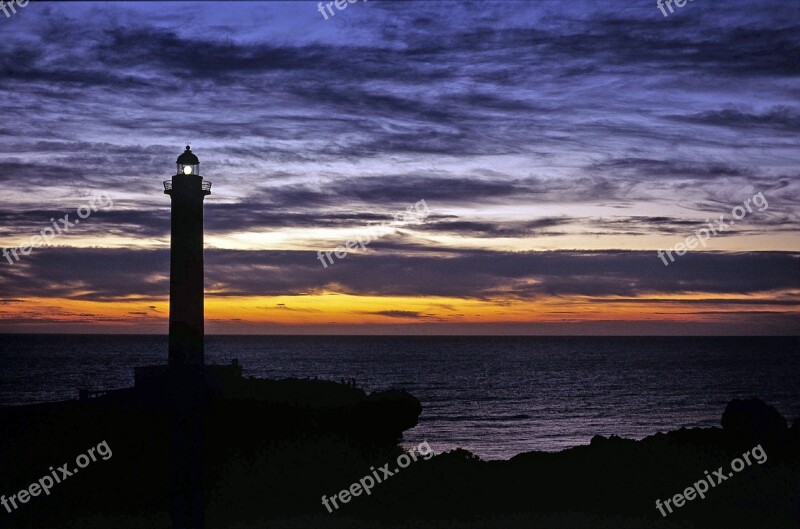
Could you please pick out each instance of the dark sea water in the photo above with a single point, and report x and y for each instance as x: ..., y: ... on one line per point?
x: 495, y: 396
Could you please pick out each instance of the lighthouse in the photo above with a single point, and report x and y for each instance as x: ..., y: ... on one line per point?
x: 187, y: 190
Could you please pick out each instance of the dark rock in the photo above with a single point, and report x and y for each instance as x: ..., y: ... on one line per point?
x: 752, y: 421
x: 597, y: 440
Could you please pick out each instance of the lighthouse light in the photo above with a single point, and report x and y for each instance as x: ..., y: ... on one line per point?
x: 188, y: 164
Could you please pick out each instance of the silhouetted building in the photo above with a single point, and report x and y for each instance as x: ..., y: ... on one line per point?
x: 186, y: 306
x: 186, y: 328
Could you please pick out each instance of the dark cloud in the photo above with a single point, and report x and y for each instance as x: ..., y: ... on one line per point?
x: 106, y: 274
x: 777, y: 119
x: 22, y: 225
x: 92, y: 274
x: 639, y: 167
x: 538, y: 227
x: 398, y: 314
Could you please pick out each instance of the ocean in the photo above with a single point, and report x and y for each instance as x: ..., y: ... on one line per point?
x: 494, y: 396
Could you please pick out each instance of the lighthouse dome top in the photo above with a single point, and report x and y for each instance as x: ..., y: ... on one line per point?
x: 188, y: 157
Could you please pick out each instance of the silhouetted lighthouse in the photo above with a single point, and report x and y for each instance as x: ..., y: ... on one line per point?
x: 187, y: 190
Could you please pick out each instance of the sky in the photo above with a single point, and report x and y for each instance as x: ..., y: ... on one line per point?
x: 557, y: 146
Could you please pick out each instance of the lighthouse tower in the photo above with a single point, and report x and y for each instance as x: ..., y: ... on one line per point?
x: 187, y: 191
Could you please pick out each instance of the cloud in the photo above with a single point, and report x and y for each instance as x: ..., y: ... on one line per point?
x: 538, y: 227
x: 776, y: 119
x: 638, y: 167
x: 398, y: 314
x: 113, y: 274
